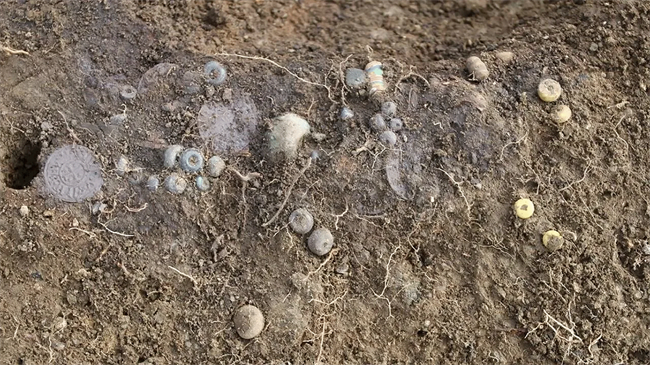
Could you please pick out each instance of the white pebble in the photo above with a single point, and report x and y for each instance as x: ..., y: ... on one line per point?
x: 24, y: 211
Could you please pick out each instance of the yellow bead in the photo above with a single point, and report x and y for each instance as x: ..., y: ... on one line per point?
x: 549, y: 90
x: 524, y: 208
x: 553, y: 240
x: 561, y: 114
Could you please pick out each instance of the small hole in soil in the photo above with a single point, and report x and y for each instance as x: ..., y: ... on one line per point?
x: 22, y: 164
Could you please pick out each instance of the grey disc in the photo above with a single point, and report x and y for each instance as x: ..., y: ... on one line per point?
x: 72, y: 174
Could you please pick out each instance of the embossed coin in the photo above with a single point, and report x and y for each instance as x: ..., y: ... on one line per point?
x: 72, y: 174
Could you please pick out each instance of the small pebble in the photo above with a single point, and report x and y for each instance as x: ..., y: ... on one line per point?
x: 191, y: 160
x: 249, y: 322
x: 152, y: 183
x: 48, y: 213
x: 24, y: 211
x: 355, y: 78
x: 121, y: 166
x: 377, y: 123
x: 396, y: 124
x: 561, y: 114
x: 175, y: 184
x: 505, y: 56
x: 318, y: 137
x: 549, y: 90
x: 389, y: 109
x: 477, y: 69
x: 301, y: 221
x: 171, y: 155
x: 388, y: 138
x: 128, y: 92
x: 216, y: 165
x: 320, y: 242
x: 553, y: 240
x: 524, y: 208
x: 346, y: 113
x: 202, y: 183
x: 215, y: 72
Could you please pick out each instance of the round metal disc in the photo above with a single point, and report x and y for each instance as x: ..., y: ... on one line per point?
x: 72, y: 174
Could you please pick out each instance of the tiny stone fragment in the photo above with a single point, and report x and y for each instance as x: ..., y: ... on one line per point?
x: 24, y: 211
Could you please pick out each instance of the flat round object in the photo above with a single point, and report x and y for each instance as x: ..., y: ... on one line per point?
x: 72, y: 174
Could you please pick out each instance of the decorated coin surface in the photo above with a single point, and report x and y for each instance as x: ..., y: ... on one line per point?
x: 72, y: 174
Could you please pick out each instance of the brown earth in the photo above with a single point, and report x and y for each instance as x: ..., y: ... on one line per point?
x: 430, y: 263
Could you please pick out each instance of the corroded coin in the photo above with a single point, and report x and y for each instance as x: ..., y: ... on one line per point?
x: 72, y: 174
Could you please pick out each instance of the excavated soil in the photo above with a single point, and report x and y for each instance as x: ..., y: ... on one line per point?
x: 430, y: 264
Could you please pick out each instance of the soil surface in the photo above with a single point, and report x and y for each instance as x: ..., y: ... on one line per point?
x: 430, y: 263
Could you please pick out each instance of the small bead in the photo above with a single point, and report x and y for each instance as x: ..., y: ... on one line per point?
x: 191, y: 160
x: 321, y: 241
x: 301, y: 221
x: 377, y: 123
x: 175, y: 184
x: 171, y: 155
x: 389, y: 109
x: 549, y: 90
x: 215, y: 73
x: 396, y: 124
x: 249, y: 322
x: 128, y: 92
x: 388, y: 138
x: 152, y: 183
x: 216, y: 165
x: 524, y: 208
x: 202, y: 183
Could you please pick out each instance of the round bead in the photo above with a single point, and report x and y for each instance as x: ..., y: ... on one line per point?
x: 301, y: 221
x: 321, y: 241
x: 524, y: 208
x: 549, y: 90
x: 191, y: 160
x: 249, y: 322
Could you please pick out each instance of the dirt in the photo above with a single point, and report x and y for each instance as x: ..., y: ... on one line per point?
x: 430, y: 263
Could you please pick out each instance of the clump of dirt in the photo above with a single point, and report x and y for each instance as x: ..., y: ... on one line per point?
x: 429, y: 263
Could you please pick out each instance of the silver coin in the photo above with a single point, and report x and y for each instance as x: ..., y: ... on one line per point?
x: 72, y: 174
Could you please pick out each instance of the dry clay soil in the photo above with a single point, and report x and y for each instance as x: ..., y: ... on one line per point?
x: 430, y: 264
